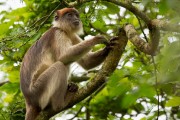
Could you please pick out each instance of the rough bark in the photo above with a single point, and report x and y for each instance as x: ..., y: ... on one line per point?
x: 142, y: 45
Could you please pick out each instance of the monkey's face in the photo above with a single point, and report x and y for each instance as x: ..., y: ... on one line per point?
x: 68, y: 21
x: 73, y: 19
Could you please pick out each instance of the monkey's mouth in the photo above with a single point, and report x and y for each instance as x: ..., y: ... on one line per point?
x: 76, y: 22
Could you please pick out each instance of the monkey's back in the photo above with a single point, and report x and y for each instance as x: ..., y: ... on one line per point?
x: 32, y: 61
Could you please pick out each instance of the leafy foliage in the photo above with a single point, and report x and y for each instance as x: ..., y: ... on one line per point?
x: 136, y: 88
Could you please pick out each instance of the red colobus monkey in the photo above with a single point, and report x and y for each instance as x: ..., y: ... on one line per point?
x: 45, y: 67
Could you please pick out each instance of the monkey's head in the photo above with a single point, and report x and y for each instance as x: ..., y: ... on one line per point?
x: 68, y: 20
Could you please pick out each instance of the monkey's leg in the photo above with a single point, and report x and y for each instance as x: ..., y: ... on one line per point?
x: 56, y: 100
x: 52, y: 81
x: 93, y: 59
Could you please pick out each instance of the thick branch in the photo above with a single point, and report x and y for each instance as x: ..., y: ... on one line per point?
x: 165, y: 25
x: 128, y: 5
x: 148, y: 48
x: 108, y: 67
x: 153, y: 30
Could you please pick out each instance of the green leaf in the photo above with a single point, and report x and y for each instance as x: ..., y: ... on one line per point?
x: 146, y: 88
x: 128, y: 100
x: 5, y: 27
x: 100, y: 25
x: 14, y: 76
x: 111, y: 8
x: 175, y: 101
x: 10, y: 88
x: 163, y: 7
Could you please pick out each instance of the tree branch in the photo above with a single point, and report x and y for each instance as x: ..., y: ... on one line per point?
x: 108, y: 67
x: 165, y: 25
x: 143, y: 46
x: 128, y: 5
x: 153, y: 30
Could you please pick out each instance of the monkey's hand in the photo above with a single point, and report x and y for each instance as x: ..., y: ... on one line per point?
x: 100, y: 39
x: 72, y: 87
x: 111, y: 44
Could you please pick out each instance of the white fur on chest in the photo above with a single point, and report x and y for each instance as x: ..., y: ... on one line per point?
x: 63, y: 42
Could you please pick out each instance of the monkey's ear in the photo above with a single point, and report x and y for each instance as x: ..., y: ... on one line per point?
x: 56, y: 17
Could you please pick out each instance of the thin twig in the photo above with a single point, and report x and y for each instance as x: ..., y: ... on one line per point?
x: 38, y: 20
x: 48, y: 16
x: 155, y: 74
x: 76, y: 113
x: 142, y: 29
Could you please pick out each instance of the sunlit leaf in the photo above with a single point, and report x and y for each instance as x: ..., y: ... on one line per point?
x: 8, y: 98
x: 174, y: 101
x: 10, y: 87
x: 111, y: 8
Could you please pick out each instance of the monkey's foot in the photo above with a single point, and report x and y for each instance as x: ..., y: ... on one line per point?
x: 72, y: 87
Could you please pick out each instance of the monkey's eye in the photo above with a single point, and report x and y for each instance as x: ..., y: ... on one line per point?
x: 77, y: 15
x: 69, y: 14
x: 56, y: 17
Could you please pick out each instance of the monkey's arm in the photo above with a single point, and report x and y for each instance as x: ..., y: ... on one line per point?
x: 75, y: 52
x: 93, y: 59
